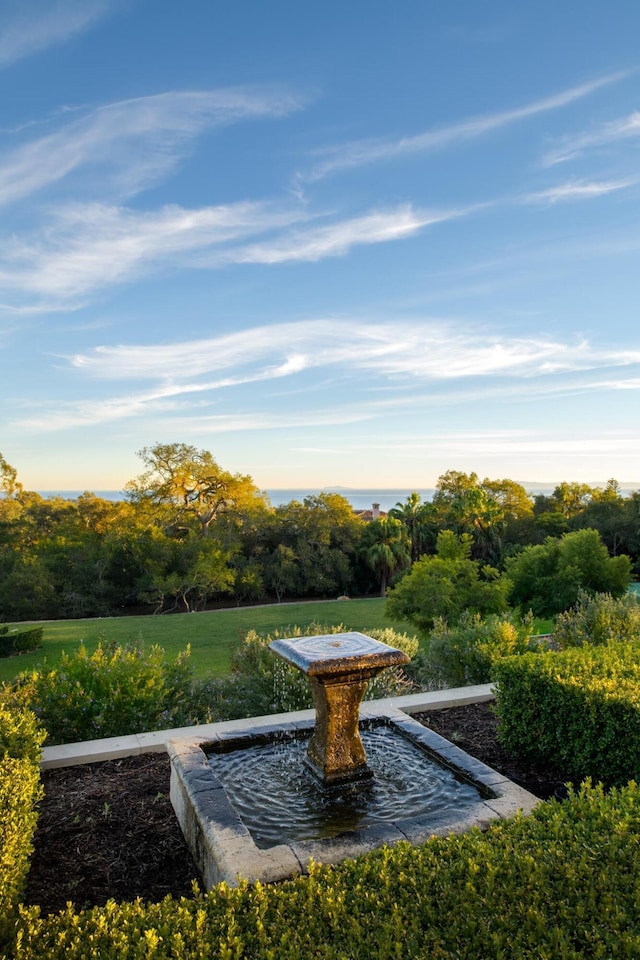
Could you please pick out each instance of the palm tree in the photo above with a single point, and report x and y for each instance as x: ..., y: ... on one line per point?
x: 386, y: 548
x: 414, y: 514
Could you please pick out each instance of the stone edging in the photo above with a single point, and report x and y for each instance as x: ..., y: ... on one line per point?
x: 113, y: 748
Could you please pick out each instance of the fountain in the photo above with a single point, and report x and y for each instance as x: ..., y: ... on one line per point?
x: 339, y: 667
x: 261, y: 797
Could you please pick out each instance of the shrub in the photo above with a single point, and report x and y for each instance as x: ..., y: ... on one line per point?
x: 20, y: 741
x: 445, y: 586
x: 262, y: 682
x: 463, y: 653
x: 598, y: 619
x: 548, y: 577
x: 19, y: 641
x: 560, y: 883
x: 112, y: 692
x: 579, y: 708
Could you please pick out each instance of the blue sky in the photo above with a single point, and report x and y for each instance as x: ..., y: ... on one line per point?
x: 347, y: 244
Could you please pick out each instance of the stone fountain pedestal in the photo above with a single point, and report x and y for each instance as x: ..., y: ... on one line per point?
x: 339, y: 667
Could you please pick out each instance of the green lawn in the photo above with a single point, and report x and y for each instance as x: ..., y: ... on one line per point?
x: 212, y: 635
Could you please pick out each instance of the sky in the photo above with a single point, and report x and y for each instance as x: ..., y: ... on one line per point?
x: 335, y: 244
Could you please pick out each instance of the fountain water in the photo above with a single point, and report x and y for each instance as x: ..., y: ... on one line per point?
x: 253, y: 803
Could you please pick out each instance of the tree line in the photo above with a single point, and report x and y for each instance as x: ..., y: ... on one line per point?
x: 188, y: 534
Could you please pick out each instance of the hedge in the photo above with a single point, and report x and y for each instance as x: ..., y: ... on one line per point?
x: 20, y: 740
x: 561, y: 883
x: 579, y: 709
x: 19, y: 641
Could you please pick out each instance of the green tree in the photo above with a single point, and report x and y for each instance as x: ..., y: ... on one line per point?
x: 187, y: 484
x: 446, y: 585
x: 547, y: 578
x: 385, y: 548
x: 571, y: 498
x: 9, y: 479
x: 309, y: 548
x: 418, y: 518
x: 483, y: 509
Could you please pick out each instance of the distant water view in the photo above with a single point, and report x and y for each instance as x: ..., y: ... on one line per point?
x: 359, y: 499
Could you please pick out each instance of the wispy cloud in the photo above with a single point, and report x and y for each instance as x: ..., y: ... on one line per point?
x: 359, y: 153
x: 87, y: 247
x: 579, y: 190
x: 132, y: 144
x: 416, y: 360
x: 336, y: 239
x: 621, y: 129
x: 28, y: 26
x: 509, y: 443
x: 426, y: 350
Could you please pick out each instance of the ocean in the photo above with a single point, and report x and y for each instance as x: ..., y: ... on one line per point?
x: 359, y: 499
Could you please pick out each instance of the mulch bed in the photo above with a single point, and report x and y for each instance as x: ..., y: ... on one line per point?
x: 108, y: 830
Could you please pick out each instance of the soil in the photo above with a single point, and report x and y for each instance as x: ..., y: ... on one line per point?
x: 108, y: 830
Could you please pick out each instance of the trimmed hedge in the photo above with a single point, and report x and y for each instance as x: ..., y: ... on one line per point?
x: 20, y: 741
x: 561, y: 883
x: 19, y: 641
x: 579, y: 708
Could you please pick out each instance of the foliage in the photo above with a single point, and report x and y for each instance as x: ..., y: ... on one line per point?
x: 548, y: 577
x: 386, y: 548
x: 446, y: 585
x: 20, y: 740
x: 309, y: 548
x: 464, y: 653
x: 419, y: 521
x: 597, y: 619
x: 579, y: 709
x: 111, y: 692
x: 19, y: 641
x: 485, y: 510
x: 262, y: 683
x: 190, y: 484
x: 560, y: 883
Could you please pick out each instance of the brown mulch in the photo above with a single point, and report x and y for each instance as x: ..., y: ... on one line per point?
x: 108, y: 830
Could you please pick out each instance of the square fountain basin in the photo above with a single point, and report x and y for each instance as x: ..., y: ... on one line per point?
x: 224, y: 849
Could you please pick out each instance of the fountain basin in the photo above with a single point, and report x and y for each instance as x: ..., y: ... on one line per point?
x: 224, y: 848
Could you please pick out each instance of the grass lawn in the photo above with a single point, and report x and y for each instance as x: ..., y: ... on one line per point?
x: 212, y: 635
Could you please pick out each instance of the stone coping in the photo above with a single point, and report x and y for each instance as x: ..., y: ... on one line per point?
x: 113, y: 748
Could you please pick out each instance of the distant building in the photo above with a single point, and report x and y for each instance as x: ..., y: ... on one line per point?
x: 375, y: 513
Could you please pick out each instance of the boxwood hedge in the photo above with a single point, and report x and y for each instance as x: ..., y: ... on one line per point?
x: 579, y: 708
x: 561, y: 883
x: 20, y: 741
